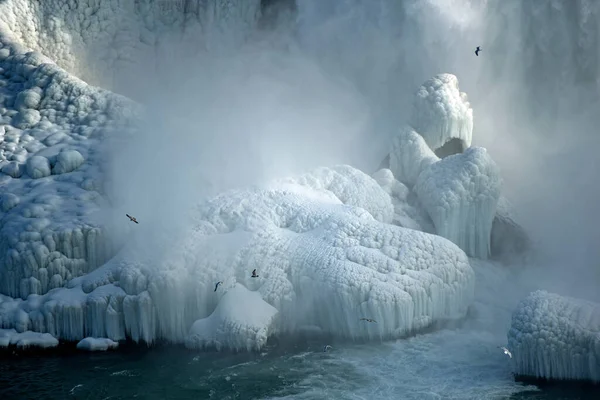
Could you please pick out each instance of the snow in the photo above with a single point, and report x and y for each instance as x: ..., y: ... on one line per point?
x: 23, y: 340
x: 442, y: 112
x: 556, y: 337
x: 241, y: 321
x: 461, y: 193
x: 96, y: 344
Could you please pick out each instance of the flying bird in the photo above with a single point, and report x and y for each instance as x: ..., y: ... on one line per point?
x: 477, y: 50
x: 132, y: 219
x: 254, y: 275
x: 506, y: 351
x: 325, y: 348
x: 368, y: 320
x: 217, y: 285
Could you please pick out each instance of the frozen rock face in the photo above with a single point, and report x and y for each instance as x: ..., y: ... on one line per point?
x: 461, y: 194
x: 556, y: 337
x: 51, y: 181
x: 508, y: 239
x: 442, y: 115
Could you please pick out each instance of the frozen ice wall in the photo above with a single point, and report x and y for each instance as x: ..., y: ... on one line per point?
x: 104, y: 42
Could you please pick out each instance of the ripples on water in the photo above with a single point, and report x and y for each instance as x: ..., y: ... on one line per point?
x: 441, y: 365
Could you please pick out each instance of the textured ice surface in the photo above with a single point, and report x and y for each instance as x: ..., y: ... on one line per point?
x: 92, y: 39
x: 556, y: 337
x: 241, y: 321
x: 322, y: 262
x: 50, y: 166
x: 410, y: 155
x: 23, y: 340
x: 461, y: 193
x: 96, y: 344
x: 441, y: 112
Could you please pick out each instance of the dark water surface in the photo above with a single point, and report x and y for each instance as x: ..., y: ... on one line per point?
x: 425, y: 367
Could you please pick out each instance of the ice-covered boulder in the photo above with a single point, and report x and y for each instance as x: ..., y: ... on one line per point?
x: 96, y: 344
x: 461, y: 193
x: 241, y: 321
x: 67, y: 161
x: 556, y: 337
x: 38, y: 167
x: 27, y: 339
x: 410, y: 155
x: 441, y: 113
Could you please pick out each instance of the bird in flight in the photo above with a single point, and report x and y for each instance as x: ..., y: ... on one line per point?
x: 477, y: 50
x: 217, y: 285
x: 368, y: 320
x: 506, y: 351
x: 132, y: 219
x: 254, y: 275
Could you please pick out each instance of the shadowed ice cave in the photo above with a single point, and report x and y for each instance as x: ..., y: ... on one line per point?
x: 246, y: 135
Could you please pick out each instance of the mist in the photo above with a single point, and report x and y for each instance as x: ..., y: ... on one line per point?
x: 334, y: 84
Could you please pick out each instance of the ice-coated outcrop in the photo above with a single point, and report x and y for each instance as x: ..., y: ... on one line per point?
x: 241, y: 321
x: 556, y: 337
x: 24, y: 340
x: 96, y: 344
x: 92, y: 39
x: 410, y: 155
x: 47, y: 235
x: 461, y: 193
x: 322, y: 263
x: 441, y: 113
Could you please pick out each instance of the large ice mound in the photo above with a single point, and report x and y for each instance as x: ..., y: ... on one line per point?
x: 325, y: 259
x: 556, y: 337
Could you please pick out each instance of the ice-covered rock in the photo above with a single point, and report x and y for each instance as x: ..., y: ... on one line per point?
x: 67, y: 161
x: 38, y: 167
x: 461, y: 193
x: 27, y: 339
x: 556, y: 337
x: 96, y: 344
x: 441, y: 113
x: 410, y: 155
x: 241, y: 321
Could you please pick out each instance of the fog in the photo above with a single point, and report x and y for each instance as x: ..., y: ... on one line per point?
x: 333, y: 86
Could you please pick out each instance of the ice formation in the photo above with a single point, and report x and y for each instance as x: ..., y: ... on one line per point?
x: 241, y: 321
x: 441, y: 112
x: 556, y: 337
x: 461, y: 193
x: 96, y: 344
x: 27, y: 339
x: 410, y: 155
x: 331, y: 246
x: 322, y: 262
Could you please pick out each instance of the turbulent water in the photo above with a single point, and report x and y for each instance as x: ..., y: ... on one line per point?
x: 535, y: 91
x: 443, y: 365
